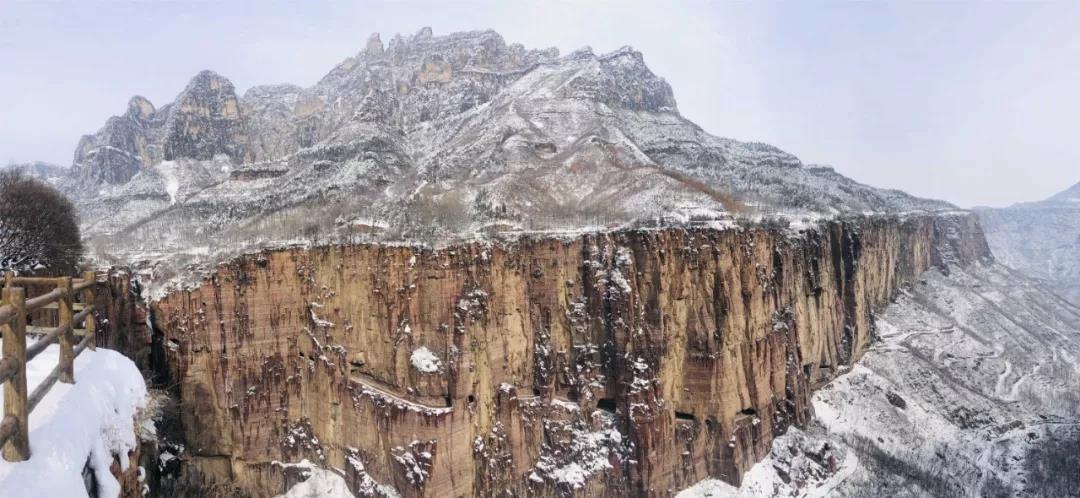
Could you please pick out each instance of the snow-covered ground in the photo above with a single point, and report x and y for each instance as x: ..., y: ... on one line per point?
x: 74, y: 424
x: 973, y: 380
x: 320, y: 483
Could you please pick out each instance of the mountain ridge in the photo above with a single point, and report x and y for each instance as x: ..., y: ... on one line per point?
x: 1071, y: 194
x: 430, y: 137
x: 1040, y: 238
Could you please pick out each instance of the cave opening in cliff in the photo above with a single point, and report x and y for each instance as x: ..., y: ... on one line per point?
x: 748, y: 412
x: 158, y: 350
x: 685, y: 417
x: 606, y: 404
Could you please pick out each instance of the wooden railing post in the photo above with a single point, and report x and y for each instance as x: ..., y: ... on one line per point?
x: 17, y: 448
x: 8, y: 276
x: 88, y: 298
x: 67, y: 338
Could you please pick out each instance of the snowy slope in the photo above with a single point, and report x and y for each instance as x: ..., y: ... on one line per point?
x: 1040, y: 238
x: 970, y: 390
x: 77, y: 424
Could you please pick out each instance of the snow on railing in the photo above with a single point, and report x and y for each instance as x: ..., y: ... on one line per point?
x: 14, y: 433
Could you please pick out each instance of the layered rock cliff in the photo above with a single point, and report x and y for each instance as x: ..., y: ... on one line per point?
x: 627, y: 362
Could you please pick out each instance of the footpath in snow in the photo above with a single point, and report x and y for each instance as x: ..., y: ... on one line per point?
x: 90, y: 420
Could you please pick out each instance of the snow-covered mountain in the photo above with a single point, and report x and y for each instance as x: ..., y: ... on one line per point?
x: 430, y: 136
x: 41, y: 170
x: 1040, y: 238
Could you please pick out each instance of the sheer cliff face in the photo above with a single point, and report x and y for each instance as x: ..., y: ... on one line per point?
x: 626, y: 363
x: 1041, y: 239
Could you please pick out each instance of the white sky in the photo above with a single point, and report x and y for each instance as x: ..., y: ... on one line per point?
x: 975, y: 103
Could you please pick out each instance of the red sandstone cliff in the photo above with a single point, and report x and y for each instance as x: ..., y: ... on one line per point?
x: 633, y: 362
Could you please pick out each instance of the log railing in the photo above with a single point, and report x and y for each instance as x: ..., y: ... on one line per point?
x: 14, y: 426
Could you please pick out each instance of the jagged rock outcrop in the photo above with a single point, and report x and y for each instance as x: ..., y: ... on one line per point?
x: 205, y: 121
x: 624, y: 363
x: 1041, y: 239
x: 122, y: 148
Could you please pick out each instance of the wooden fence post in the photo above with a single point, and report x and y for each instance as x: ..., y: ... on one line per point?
x: 17, y: 448
x: 67, y: 339
x: 8, y: 275
x: 88, y: 297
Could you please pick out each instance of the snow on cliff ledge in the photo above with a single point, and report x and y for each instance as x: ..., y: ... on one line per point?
x: 90, y: 420
x: 424, y: 360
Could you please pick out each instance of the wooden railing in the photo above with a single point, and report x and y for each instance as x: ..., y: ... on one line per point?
x: 14, y: 426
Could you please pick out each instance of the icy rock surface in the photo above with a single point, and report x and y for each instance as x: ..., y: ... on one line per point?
x: 424, y: 138
x: 1041, y: 239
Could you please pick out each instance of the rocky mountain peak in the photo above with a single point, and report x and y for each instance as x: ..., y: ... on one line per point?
x: 374, y: 47
x: 205, y: 121
x: 1071, y: 194
x: 207, y: 86
x: 633, y: 85
x: 140, y: 109
x: 424, y: 34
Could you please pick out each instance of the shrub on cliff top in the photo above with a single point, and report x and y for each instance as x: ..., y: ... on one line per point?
x: 39, y: 230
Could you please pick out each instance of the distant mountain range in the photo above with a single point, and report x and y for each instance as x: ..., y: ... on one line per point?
x: 38, y: 169
x: 1040, y: 238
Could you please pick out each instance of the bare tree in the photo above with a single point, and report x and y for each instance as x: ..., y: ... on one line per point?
x: 39, y: 231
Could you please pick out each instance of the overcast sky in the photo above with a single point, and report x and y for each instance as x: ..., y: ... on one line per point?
x: 975, y: 103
